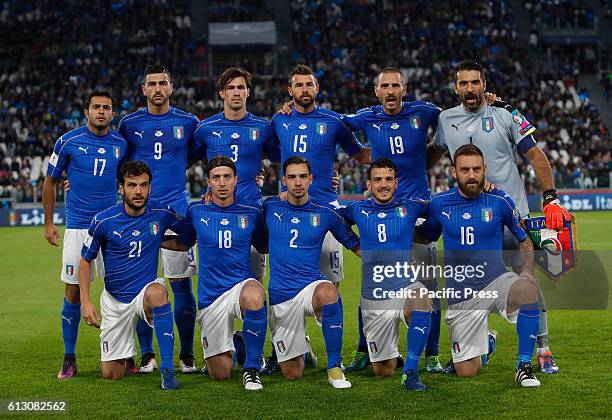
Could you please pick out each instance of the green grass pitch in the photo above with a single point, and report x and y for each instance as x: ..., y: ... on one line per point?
x: 31, y: 352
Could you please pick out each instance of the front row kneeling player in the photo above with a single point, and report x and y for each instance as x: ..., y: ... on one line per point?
x: 227, y: 289
x: 472, y: 224
x: 297, y: 228
x: 129, y: 236
x: 386, y: 227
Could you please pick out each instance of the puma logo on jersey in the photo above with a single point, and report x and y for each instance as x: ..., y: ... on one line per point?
x: 456, y: 126
x: 205, y: 220
x: 84, y: 149
x: 367, y: 213
x: 256, y: 334
x: 139, y: 134
x: 171, y: 335
x: 377, y: 126
x: 422, y: 329
x: 217, y: 134
x: 447, y: 214
x: 278, y: 215
x: 286, y: 126
x: 116, y: 233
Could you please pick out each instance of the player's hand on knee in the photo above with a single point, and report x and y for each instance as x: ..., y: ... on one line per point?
x: 491, y: 97
x: 52, y: 235
x: 66, y: 186
x: 286, y: 108
x: 488, y: 187
x: 90, y: 314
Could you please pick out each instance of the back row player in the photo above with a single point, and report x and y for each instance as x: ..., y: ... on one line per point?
x: 160, y: 136
x: 91, y: 156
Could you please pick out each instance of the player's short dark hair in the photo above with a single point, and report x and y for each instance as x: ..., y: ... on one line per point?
x: 467, y: 150
x: 156, y: 69
x: 296, y: 160
x: 302, y: 70
x: 470, y: 64
x: 220, y: 161
x: 382, y: 163
x: 133, y: 168
x: 230, y: 74
x: 99, y: 92
x: 389, y: 69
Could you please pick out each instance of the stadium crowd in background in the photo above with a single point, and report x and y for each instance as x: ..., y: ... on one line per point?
x: 46, y: 73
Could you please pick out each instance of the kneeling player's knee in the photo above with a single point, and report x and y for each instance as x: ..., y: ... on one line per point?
x: 526, y: 291
x: 326, y: 293
x: 156, y: 294
x: 292, y: 374
x: 220, y: 374
x: 252, y: 295
x: 384, y: 371
x: 466, y: 369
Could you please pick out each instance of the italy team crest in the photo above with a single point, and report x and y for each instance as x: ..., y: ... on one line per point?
x: 487, y: 215
x: 116, y: 152
x: 315, y: 220
x: 254, y: 133
x: 401, y: 211
x: 555, y: 252
x: 415, y: 122
x: 179, y: 132
x: 243, y: 222
x: 154, y: 228
x: 487, y: 124
x: 321, y: 128
x: 280, y: 346
x: 69, y: 269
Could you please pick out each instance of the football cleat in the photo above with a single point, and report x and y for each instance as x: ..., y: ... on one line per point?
x: 168, y: 379
x: 492, y: 337
x: 412, y: 382
x: 69, y: 367
x: 147, y: 363
x: 310, y: 359
x: 432, y: 364
x: 525, y: 377
x: 449, y: 369
x: 130, y: 366
x: 251, y: 380
x: 186, y: 364
x: 336, y: 378
x: 271, y: 366
x: 361, y: 359
x: 239, y: 356
x: 547, y: 363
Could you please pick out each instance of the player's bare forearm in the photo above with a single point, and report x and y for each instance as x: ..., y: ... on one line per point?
x: 434, y: 154
x: 527, y: 255
x: 48, y: 198
x: 173, y: 244
x: 541, y: 167
x: 84, y: 276
x: 363, y: 156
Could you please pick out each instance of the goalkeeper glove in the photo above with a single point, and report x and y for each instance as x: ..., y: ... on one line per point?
x: 556, y: 215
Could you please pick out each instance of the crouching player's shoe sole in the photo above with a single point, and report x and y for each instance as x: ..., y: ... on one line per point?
x: 336, y: 378
x: 169, y: 381
x: 525, y: 377
x: 251, y: 380
x: 412, y: 382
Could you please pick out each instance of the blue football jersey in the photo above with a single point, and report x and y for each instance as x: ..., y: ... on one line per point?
x: 91, y: 163
x: 385, y: 233
x: 296, y: 238
x: 401, y: 138
x: 163, y: 143
x: 472, y: 230
x: 130, y: 246
x: 244, y: 141
x: 224, y: 236
x: 314, y: 136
